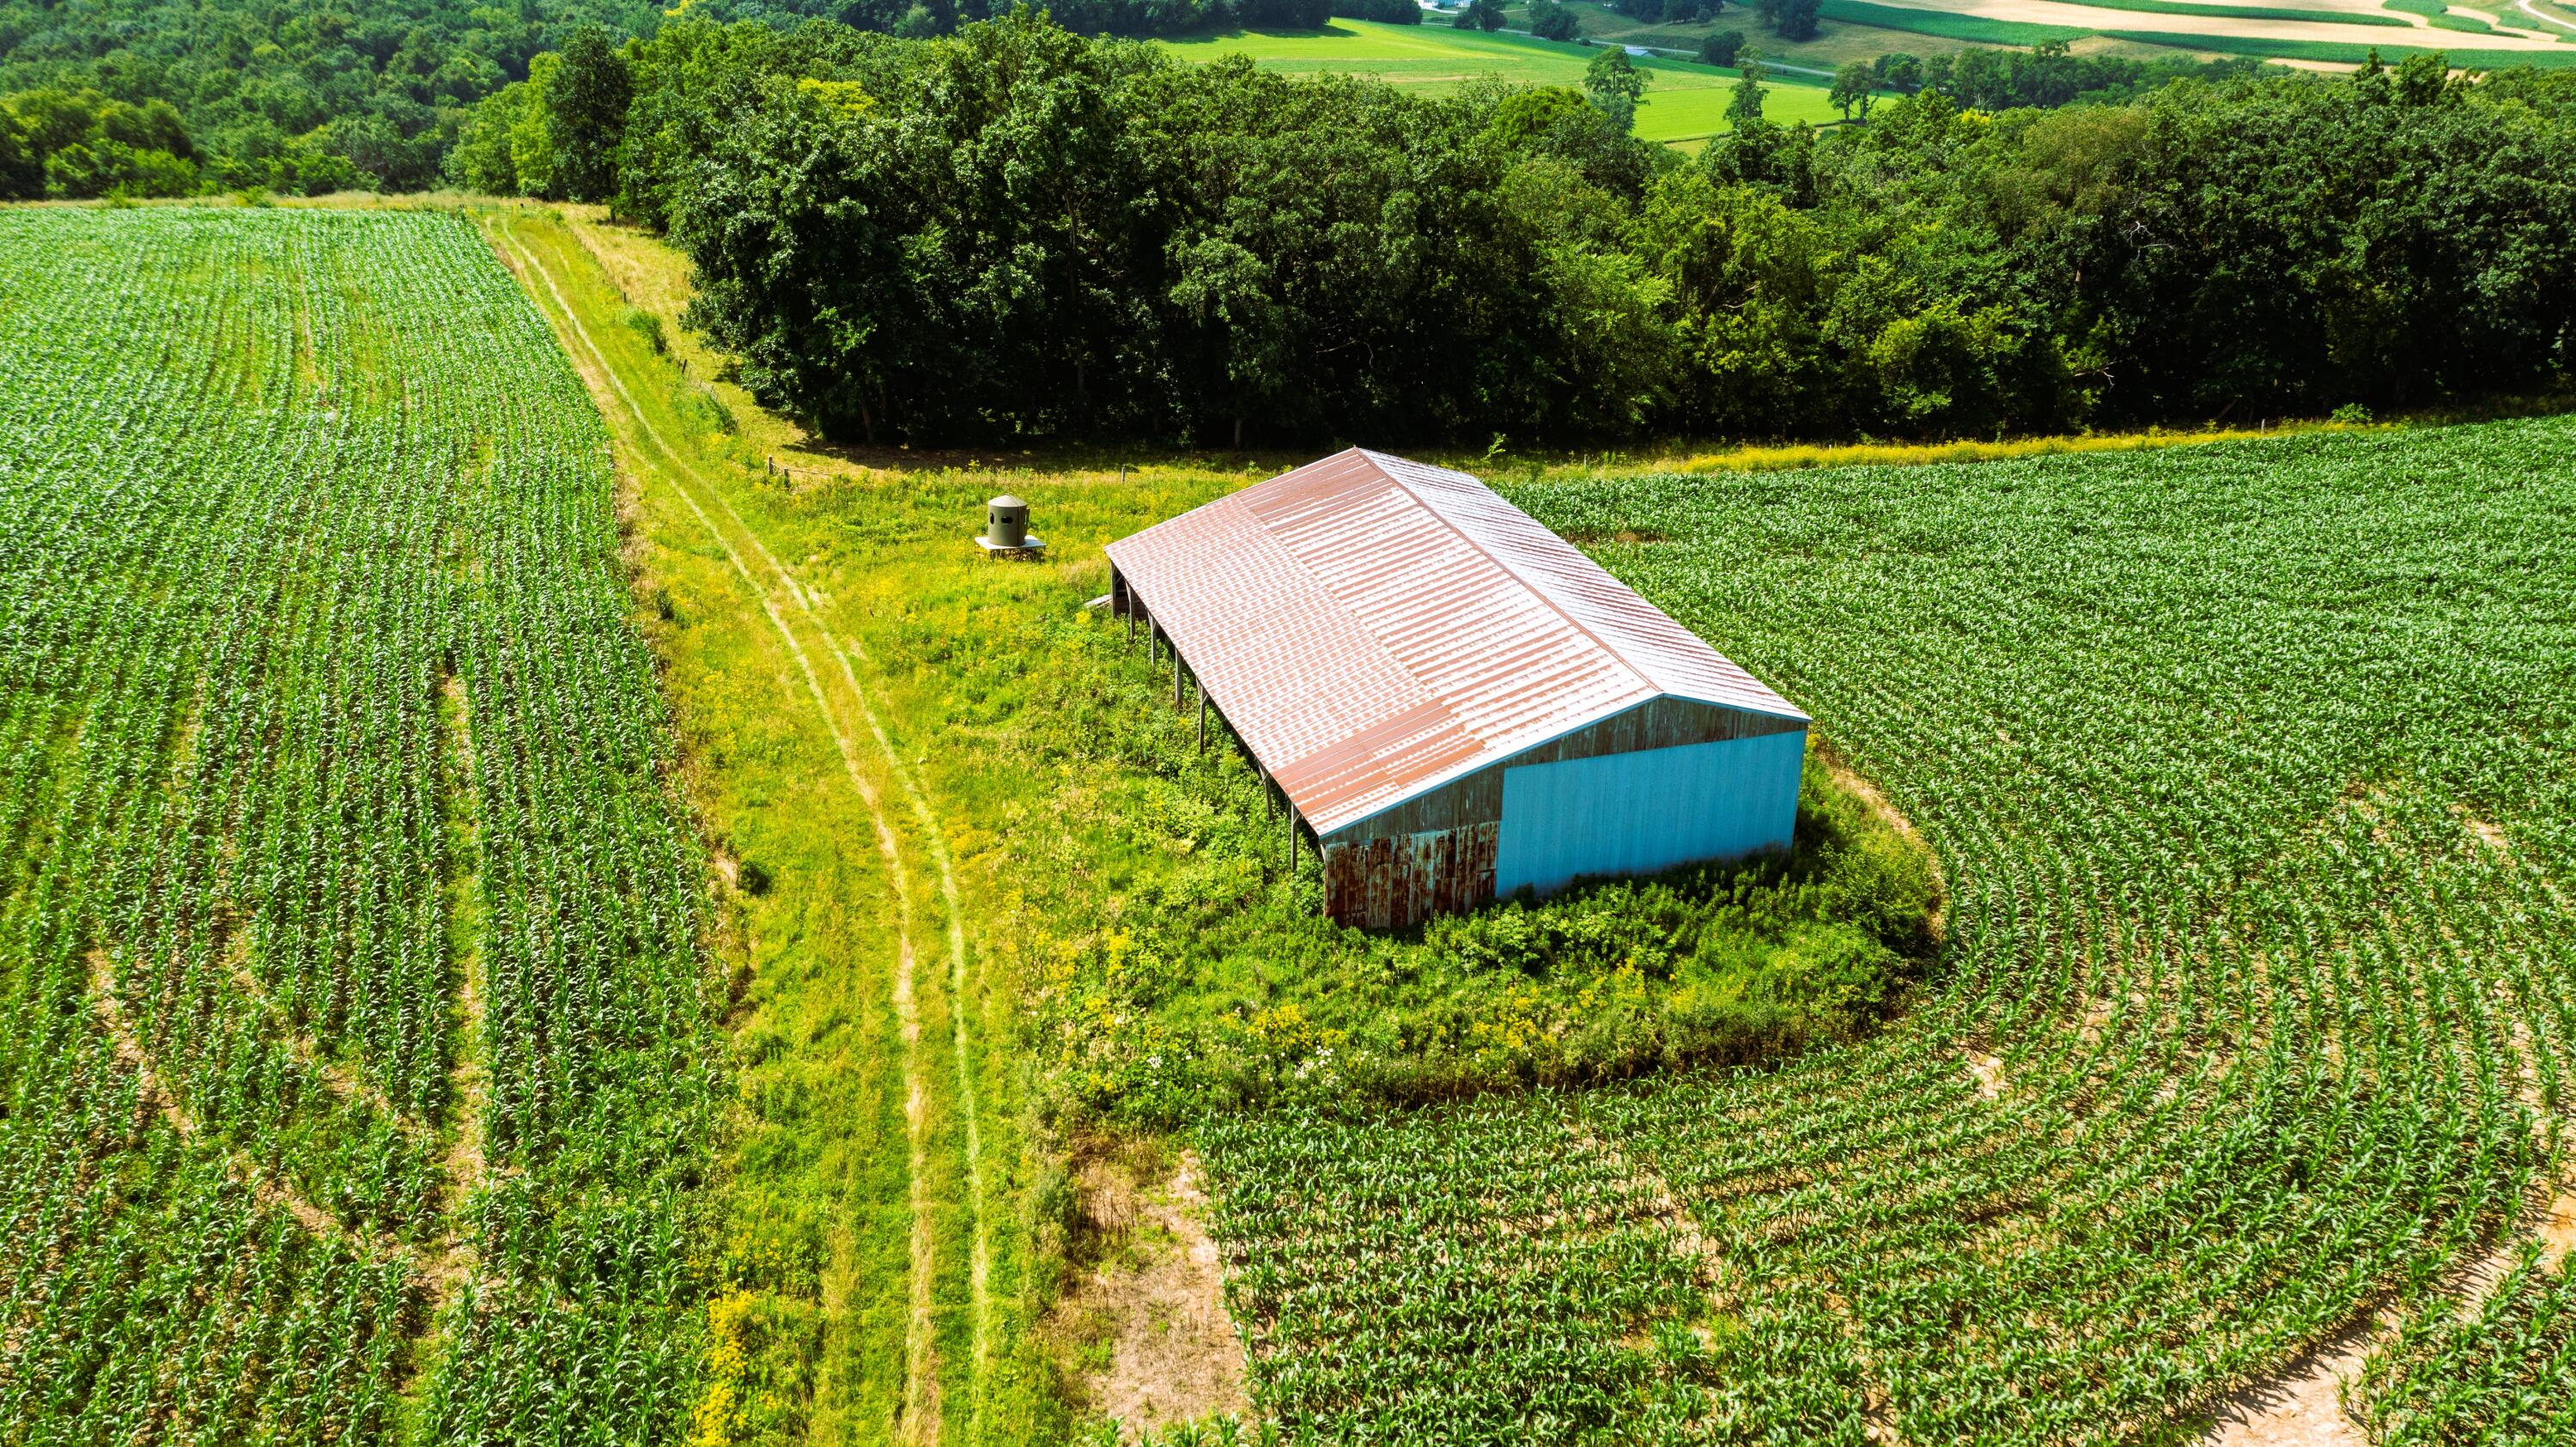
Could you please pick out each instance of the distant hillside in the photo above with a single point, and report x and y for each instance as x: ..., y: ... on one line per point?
x: 1823, y: 34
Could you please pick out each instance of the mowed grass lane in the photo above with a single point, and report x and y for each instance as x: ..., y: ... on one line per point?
x: 874, y: 1231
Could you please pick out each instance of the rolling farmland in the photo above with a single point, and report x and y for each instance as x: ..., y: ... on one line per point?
x: 365, y: 992
x: 1684, y: 100
x: 2250, y: 765
x: 2487, y: 35
x: 358, y: 1051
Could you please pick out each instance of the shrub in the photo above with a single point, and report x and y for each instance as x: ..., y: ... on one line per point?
x: 646, y: 325
x: 1549, y: 20
x: 1721, y: 47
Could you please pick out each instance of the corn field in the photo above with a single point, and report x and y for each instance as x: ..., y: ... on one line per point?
x: 358, y: 1059
x: 2253, y: 769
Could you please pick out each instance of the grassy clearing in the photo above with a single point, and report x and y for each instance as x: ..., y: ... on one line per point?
x: 1173, y: 962
x: 875, y: 1264
x: 1116, y: 887
x: 1684, y: 100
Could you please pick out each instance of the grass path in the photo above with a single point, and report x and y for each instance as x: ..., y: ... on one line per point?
x: 469, y: 1078
x: 802, y: 630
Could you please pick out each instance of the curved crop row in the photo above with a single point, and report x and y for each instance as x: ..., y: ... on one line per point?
x: 2249, y: 765
x: 352, y: 1039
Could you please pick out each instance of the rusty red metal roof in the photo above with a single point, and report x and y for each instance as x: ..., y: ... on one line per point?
x: 1373, y: 627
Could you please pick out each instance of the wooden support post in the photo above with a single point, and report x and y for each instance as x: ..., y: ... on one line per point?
x: 1203, y: 718
x: 1292, y: 843
x: 1176, y: 677
x: 1269, y: 809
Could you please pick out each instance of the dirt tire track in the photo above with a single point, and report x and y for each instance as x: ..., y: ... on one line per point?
x: 936, y: 840
x: 920, y: 1417
x: 343, y: 1081
x: 2302, y: 1406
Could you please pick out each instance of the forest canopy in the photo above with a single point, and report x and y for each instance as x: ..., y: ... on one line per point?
x: 300, y: 96
x: 308, y: 96
x: 1016, y: 232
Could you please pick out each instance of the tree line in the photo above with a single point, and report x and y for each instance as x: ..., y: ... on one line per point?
x: 179, y: 97
x: 1018, y: 232
x: 1014, y: 231
x: 173, y: 97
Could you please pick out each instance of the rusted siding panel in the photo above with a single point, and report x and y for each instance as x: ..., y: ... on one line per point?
x: 1375, y: 629
x: 1390, y: 883
x: 1466, y: 869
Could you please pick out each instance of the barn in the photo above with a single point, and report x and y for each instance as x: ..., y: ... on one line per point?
x: 1452, y: 703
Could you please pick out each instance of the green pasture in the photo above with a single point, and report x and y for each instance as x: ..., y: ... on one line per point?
x: 1684, y: 100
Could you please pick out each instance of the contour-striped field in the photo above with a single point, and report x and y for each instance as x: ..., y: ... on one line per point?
x: 357, y: 1060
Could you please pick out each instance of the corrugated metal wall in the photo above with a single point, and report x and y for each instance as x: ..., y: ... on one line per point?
x: 1646, y: 811
x: 1477, y: 798
x: 1388, y: 883
x: 1637, y: 812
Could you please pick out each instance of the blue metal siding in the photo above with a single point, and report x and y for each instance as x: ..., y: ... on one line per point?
x: 1641, y: 812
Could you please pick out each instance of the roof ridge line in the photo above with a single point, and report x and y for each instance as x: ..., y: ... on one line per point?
x: 1378, y: 460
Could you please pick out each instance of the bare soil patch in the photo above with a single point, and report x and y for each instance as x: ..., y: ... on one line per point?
x: 1989, y: 1071
x: 2304, y: 1406
x: 2558, y: 1230
x: 129, y: 1050
x: 2488, y: 834
x: 1143, y: 1332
